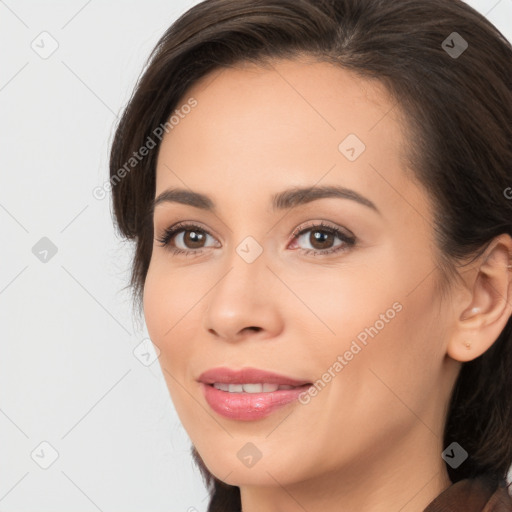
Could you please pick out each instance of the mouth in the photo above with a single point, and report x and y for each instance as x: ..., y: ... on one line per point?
x: 253, y: 388
x: 237, y: 404
x: 249, y: 394
x: 249, y: 378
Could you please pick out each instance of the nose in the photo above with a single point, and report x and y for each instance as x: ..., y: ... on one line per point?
x: 244, y: 302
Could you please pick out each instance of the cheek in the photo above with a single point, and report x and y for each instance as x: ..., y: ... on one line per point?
x: 170, y: 299
x: 383, y: 380
x: 387, y: 343
x: 401, y: 357
x: 167, y: 311
x: 170, y: 314
x: 352, y: 309
x: 154, y: 305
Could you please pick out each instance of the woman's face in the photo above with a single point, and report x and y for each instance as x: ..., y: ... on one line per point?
x: 268, y: 284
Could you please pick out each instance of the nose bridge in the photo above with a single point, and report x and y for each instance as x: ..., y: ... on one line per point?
x: 240, y: 297
x: 245, y: 268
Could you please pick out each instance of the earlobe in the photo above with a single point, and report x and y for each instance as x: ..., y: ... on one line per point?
x: 480, y: 322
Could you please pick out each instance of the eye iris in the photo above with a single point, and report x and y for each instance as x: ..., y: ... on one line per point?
x: 193, y: 239
x: 322, y: 237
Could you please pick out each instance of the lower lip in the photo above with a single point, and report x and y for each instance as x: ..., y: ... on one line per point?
x: 249, y: 406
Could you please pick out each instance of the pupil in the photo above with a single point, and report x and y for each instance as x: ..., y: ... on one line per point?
x: 193, y: 239
x: 320, y: 237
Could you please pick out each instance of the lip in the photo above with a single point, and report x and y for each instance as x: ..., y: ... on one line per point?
x: 248, y: 406
x: 247, y: 375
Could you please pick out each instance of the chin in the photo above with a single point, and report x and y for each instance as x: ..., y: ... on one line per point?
x: 235, y: 466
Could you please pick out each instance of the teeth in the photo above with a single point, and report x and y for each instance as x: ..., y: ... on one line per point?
x: 221, y: 386
x: 250, y: 388
x: 260, y: 388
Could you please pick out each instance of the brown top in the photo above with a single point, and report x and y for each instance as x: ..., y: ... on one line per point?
x: 481, y: 494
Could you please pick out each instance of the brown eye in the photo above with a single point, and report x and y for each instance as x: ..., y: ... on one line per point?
x: 193, y: 239
x: 185, y: 238
x: 322, y: 239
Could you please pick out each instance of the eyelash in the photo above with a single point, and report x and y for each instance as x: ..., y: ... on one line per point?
x: 348, y: 241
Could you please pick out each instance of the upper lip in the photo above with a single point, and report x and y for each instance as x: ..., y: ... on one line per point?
x: 247, y: 376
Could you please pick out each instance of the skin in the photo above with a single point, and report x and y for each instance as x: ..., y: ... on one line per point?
x: 372, y: 438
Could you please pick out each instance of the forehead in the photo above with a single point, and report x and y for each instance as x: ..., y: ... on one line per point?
x: 325, y: 99
x: 289, y: 122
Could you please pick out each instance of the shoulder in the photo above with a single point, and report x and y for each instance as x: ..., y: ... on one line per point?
x: 479, y: 494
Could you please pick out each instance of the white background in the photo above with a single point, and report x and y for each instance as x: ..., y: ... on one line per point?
x: 68, y: 374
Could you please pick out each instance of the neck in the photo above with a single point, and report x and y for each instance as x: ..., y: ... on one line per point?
x: 405, y: 479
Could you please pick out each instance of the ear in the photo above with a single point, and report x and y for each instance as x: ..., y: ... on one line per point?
x: 483, y: 316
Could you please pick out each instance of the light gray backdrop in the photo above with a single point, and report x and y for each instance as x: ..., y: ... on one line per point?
x: 86, y: 422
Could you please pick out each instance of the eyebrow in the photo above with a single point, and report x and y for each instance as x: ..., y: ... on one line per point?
x: 286, y: 199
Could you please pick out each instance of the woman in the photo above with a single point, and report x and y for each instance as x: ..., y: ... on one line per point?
x: 317, y: 191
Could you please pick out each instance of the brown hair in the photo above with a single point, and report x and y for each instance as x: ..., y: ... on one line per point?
x: 458, y: 109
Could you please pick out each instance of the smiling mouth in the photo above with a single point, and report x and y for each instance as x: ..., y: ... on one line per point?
x: 254, y: 387
x: 251, y: 401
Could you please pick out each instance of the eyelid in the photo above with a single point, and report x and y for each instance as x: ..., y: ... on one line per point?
x: 348, y: 241
x: 171, y: 232
x: 321, y: 224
